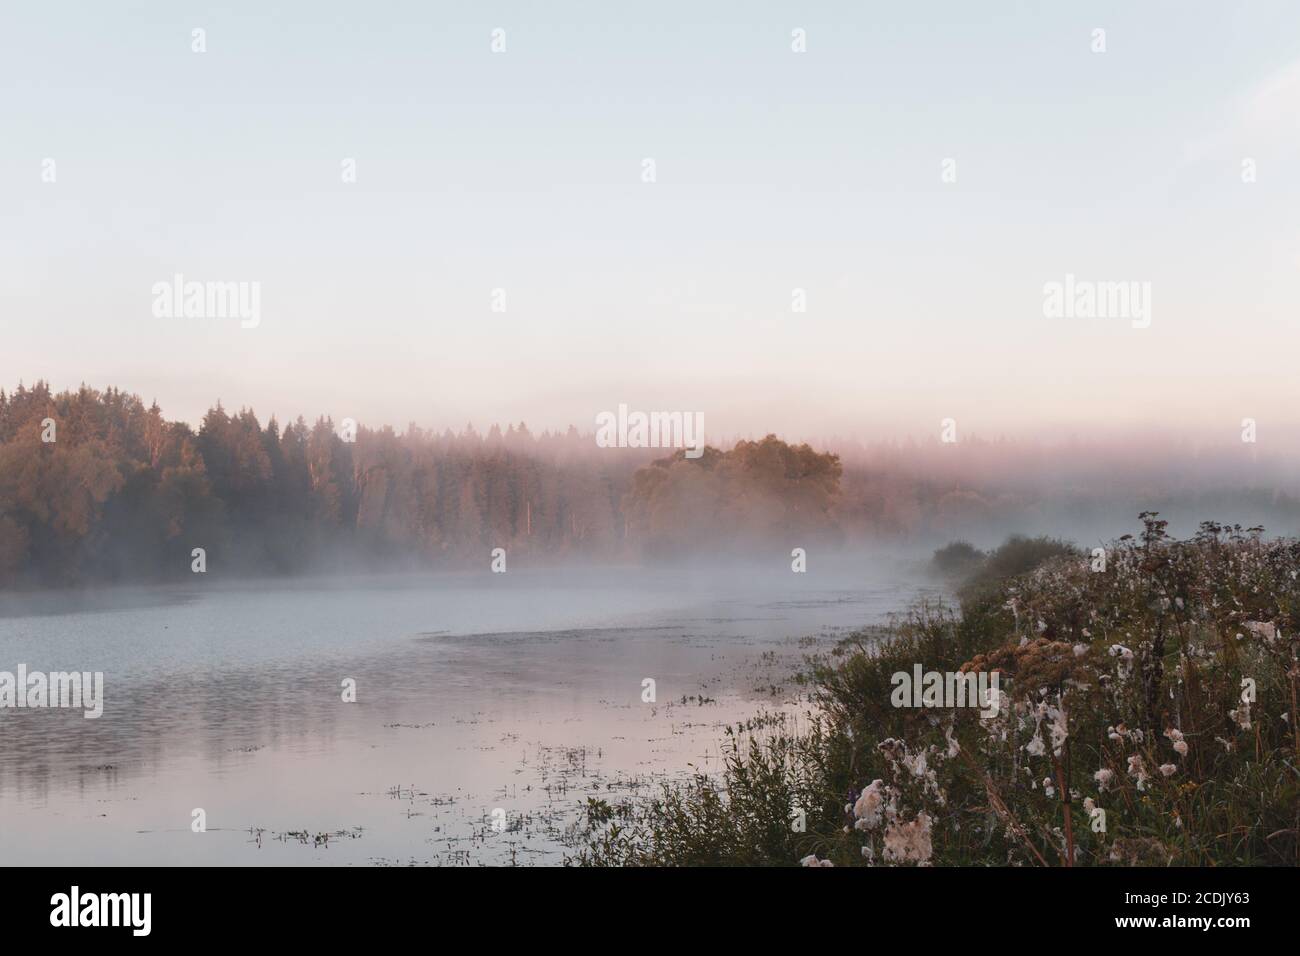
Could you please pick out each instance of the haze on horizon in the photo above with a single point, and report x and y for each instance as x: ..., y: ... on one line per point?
x: 775, y: 171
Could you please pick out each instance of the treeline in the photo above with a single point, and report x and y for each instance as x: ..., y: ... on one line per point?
x: 758, y: 493
x: 97, y: 487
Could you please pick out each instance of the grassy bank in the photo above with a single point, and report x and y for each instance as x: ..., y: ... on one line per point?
x: 1147, y: 716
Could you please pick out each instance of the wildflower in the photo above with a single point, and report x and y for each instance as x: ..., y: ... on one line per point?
x: 1264, y: 629
x: 890, y: 748
x: 1080, y: 650
x: 916, y: 764
x: 1104, y: 776
x: 1125, y: 660
x: 1089, y: 805
x: 1035, y: 747
x: 1048, y: 788
x: 1168, y: 769
x: 1241, y: 715
x: 811, y: 860
x: 1180, y: 745
x: 909, y: 841
x: 1137, y: 770
x: 1140, y: 851
x: 867, y: 809
x: 1059, y: 729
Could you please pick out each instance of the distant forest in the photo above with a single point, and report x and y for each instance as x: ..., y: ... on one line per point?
x: 122, y: 494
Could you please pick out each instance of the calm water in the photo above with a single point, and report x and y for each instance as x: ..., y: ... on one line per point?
x: 517, y: 693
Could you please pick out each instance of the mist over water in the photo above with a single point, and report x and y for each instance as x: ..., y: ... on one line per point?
x: 475, y: 692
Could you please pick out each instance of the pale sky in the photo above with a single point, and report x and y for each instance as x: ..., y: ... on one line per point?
x: 776, y: 170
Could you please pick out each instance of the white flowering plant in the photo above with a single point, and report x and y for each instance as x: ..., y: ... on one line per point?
x: 1149, y: 719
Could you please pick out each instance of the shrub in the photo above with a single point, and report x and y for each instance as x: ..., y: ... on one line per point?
x: 957, y: 560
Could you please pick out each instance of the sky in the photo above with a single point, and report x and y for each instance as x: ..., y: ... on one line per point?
x: 774, y: 171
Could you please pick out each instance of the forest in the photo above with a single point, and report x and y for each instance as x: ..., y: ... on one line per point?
x: 121, y: 494
x: 96, y: 487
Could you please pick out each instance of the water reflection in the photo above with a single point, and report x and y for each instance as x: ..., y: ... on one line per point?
x: 232, y: 701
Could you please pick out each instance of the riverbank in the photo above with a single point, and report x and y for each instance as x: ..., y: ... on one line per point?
x: 1148, y: 718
